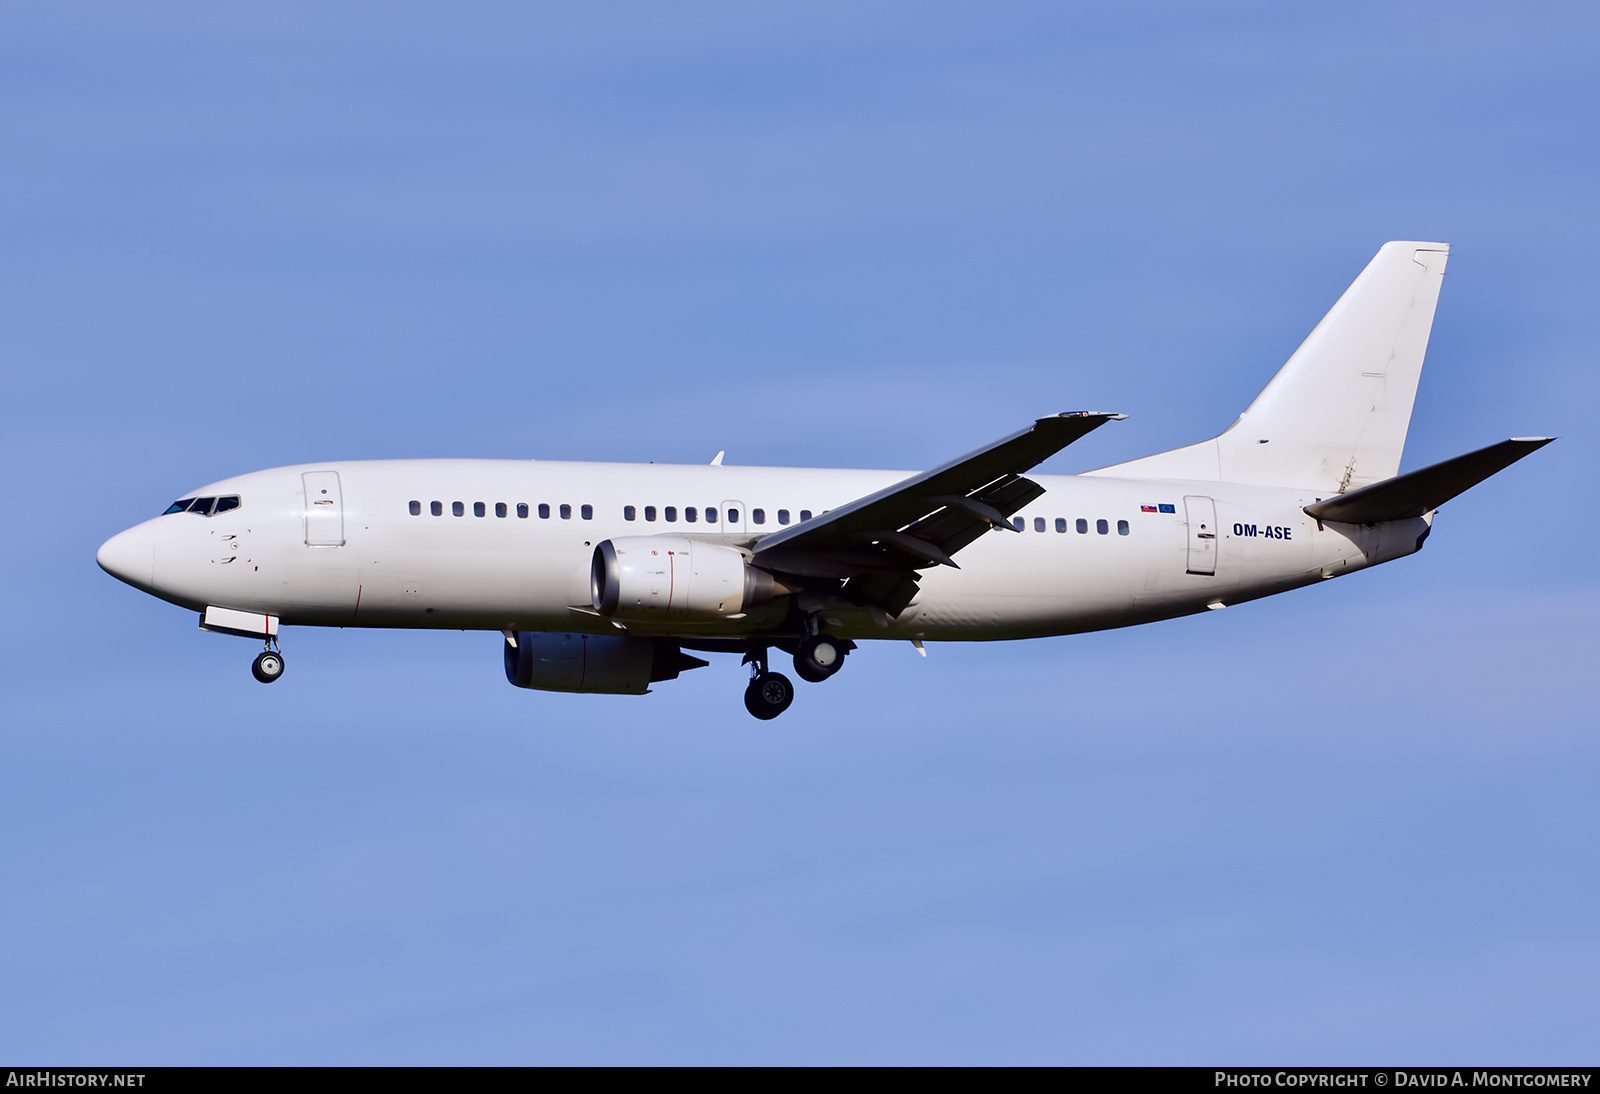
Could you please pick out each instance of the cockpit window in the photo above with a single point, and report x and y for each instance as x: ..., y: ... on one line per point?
x: 206, y: 507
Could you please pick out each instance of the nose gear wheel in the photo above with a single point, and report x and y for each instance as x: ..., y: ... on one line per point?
x: 268, y: 666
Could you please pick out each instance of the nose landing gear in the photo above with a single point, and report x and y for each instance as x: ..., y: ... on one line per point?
x: 268, y: 665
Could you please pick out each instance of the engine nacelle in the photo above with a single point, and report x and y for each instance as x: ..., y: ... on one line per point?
x: 673, y: 577
x: 611, y: 665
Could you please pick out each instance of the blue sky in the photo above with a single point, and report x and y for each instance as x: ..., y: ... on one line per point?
x: 1352, y: 824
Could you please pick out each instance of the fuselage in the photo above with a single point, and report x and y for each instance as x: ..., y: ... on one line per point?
x: 507, y: 545
x: 602, y: 576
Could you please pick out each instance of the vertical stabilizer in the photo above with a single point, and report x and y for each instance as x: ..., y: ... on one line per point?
x: 1335, y: 416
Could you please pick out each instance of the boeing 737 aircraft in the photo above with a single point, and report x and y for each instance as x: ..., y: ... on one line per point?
x: 600, y: 575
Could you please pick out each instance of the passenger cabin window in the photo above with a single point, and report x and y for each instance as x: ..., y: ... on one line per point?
x: 566, y: 511
x: 1038, y: 524
x: 1061, y: 524
x: 1083, y: 527
x: 629, y: 512
x: 499, y: 508
x: 436, y: 508
x: 416, y: 508
x: 479, y: 509
x: 458, y: 509
x: 1122, y: 527
x: 690, y: 514
x: 711, y: 516
x: 783, y: 516
x: 544, y: 510
x: 672, y: 514
x: 650, y: 512
x: 522, y: 510
x: 587, y: 512
x: 759, y: 516
x: 733, y: 516
x: 1102, y: 527
x: 1017, y: 523
x: 805, y: 514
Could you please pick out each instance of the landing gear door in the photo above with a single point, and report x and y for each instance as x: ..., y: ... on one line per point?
x: 1202, y: 516
x: 324, y: 509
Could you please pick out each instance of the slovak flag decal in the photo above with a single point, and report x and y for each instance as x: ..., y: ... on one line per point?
x: 1147, y: 508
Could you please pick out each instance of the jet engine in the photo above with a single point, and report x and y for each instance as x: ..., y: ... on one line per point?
x: 672, y: 577
x: 612, y: 665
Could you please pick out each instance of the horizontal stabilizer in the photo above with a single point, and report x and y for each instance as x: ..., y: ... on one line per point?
x: 1418, y: 492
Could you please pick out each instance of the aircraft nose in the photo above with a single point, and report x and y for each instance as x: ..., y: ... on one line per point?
x: 130, y: 556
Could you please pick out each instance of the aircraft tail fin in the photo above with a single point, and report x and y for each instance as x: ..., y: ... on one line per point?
x: 1418, y: 492
x: 1334, y: 418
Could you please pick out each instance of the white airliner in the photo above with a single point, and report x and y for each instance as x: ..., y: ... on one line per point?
x: 601, y: 575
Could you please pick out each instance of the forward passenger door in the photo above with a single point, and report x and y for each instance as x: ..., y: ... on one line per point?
x: 324, y: 509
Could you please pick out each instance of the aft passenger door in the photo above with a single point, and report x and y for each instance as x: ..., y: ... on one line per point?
x: 1201, y: 514
x: 324, y: 509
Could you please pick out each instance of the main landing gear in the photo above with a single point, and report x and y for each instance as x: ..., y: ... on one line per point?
x: 769, y: 693
x: 819, y: 657
x: 268, y: 665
